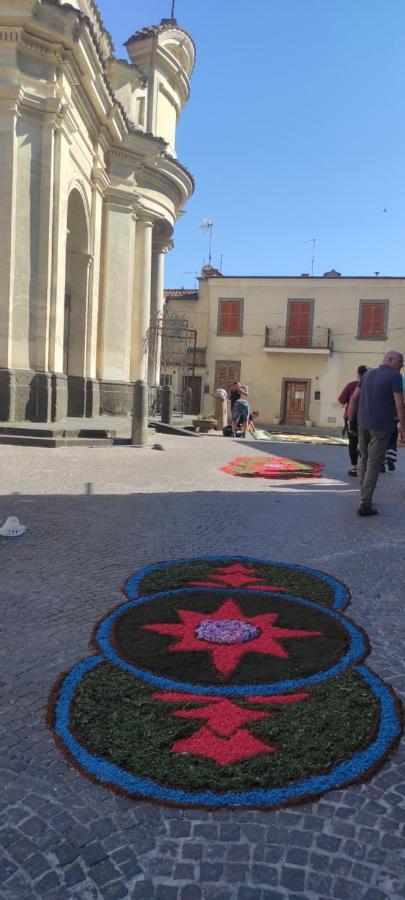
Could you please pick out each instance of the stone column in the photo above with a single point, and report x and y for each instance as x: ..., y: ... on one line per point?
x: 156, y: 315
x: 141, y: 299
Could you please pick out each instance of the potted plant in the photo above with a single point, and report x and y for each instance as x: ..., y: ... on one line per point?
x: 205, y: 422
x: 276, y: 420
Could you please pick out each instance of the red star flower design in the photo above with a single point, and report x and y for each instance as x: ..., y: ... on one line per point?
x: 236, y: 575
x: 257, y: 634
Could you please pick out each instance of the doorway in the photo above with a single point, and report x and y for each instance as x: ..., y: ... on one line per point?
x: 296, y: 396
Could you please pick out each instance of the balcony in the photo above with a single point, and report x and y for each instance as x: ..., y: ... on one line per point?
x: 280, y: 340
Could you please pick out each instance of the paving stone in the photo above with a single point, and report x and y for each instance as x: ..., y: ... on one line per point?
x: 236, y: 873
x: 47, y: 883
x: 273, y: 854
x: 183, y: 871
x: 190, y: 892
x: 327, y: 842
x: 93, y: 854
x: 362, y: 873
x: 142, y: 890
x: 66, y: 853
x: 320, y: 861
x: 211, y: 871
x: 264, y: 874
x: 215, y: 851
x: 7, y: 869
x: 319, y: 883
x: 273, y: 895
x: 301, y: 838
x: 130, y: 868
x: 74, y: 875
x: 165, y: 892
x: 192, y: 851
x: 297, y: 856
x: 204, y: 830
x: 247, y: 893
x: 346, y: 890
x: 229, y: 832
x: 341, y: 866
x: 104, y: 872
x: 374, y: 894
x: 115, y: 890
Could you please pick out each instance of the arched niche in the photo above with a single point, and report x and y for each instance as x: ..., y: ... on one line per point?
x: 76, y: 300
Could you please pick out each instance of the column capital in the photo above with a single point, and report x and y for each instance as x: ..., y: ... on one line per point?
x: 143, y: 219
x: 163, y: 246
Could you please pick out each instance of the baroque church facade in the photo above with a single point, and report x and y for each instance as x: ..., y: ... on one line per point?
x: 90, y: 190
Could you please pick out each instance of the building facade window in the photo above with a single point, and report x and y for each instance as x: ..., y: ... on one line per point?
x: 230, y: 316
x: 299, y: 323
x: 373, y: 317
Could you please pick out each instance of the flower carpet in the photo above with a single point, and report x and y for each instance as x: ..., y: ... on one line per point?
x: 272, y: 467
x: 226, y: 682
x: 260, y: 434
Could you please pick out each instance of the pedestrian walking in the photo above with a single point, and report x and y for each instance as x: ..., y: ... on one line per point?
x: 344, y: 399
x: 378, y: 400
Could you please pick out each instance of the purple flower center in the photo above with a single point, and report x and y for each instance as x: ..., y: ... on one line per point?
x: 227, y: 631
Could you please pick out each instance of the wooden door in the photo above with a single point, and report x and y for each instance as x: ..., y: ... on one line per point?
x: 195, y: 384
x: 226, y: 374
x: 295, y: 402
x: 299, y: 323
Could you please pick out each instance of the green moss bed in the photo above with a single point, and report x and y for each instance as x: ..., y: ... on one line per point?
x: 179, y: 575
x: 114, y: 716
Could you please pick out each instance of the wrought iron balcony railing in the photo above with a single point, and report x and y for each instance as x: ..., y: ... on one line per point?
x: 280, y: 336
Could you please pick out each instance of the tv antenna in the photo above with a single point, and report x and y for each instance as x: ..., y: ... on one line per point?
x: 313, y: 242
x: 207, y: 227
x: 173, y: 7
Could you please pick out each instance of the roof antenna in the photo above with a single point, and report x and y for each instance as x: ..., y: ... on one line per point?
x: 313, y: 242
x: 207, y: 227
x: 173, y: 6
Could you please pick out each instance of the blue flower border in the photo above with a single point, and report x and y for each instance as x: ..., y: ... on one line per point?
x: 353, y: 769
x: 341, y: 594
x: 357, y: 650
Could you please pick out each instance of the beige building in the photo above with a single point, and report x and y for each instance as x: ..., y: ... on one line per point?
x: 294, y: 341
x: 90, y: 189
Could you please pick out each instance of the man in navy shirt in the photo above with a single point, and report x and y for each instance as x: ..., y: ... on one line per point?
x: 379, y: 400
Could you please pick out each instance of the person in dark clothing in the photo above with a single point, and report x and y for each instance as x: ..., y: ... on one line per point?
x: 234, y: 394
x: 378, y: 400
x: 344, y: 399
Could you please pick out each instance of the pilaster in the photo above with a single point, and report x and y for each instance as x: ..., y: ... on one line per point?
x: 8, y: 193
x: 117, y: 287
x: 156, y: 313
x: 141, y: 299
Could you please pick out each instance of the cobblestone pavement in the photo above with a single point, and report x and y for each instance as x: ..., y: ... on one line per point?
x: 94, y: 516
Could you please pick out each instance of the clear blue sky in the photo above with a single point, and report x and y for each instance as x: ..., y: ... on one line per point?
x: 295, y: 129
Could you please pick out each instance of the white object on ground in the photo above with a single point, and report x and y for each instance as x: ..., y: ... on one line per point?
x: 12, y: 527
